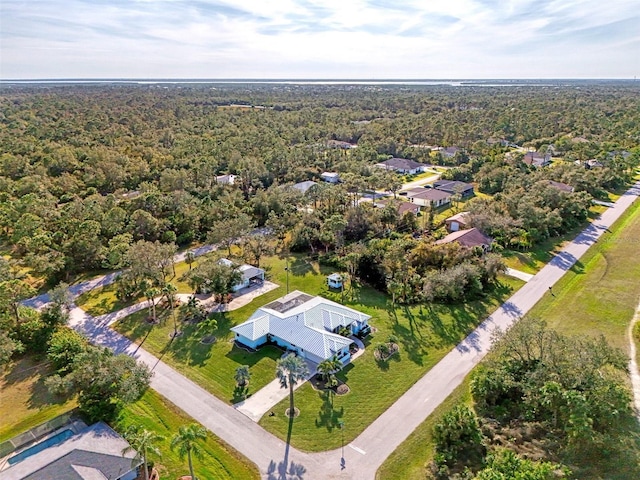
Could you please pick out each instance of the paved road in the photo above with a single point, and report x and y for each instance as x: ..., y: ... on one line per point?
x: 104, y: 280
x: 420, y: 182
x: 362, y: 458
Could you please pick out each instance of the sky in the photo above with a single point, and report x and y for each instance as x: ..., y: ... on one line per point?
x: 302, y: 39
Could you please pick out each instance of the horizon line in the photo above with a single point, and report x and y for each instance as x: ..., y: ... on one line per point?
x: 280, y: 79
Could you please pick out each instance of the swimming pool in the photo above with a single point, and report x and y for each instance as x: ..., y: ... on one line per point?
x: 38, y: 447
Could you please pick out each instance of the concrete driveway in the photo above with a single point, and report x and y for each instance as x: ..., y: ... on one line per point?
x: 362, y: 457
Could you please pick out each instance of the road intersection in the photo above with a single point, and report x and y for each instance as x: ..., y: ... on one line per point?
x: 362, y: 457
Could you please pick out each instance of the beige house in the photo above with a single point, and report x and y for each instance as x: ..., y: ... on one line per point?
x: 459, y: 221
x: 429, y: 197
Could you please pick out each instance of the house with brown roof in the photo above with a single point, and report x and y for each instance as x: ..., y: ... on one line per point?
x: 468, y: 238
x: 402, y: 165
x: 429, y: 197
x: 459, y: 221
x: 401, y: 207
x: 563, y: 187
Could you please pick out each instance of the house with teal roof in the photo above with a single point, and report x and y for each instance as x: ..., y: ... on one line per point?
x: 304, y: 324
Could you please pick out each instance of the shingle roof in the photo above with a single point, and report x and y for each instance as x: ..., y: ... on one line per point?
x: 461, y: 217
x: 401, y: 164
x: 452, y: 186
x: 467, y: 238
x: 428, y: 194
x: 402, y: 207
x: 306, y: 323
x: 561, y: 186
x: 96, y: 450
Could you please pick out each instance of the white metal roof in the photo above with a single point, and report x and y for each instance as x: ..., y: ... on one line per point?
x: 307, y: 323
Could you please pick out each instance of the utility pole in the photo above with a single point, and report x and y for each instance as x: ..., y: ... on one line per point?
x: 286, y: 269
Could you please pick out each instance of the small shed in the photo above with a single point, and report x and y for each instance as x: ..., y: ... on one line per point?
x: 335, y: 280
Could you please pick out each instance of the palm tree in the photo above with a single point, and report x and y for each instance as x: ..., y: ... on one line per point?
x: 242, y: 375
x: 290, y: 370
x: 168, y: 290
x: 185, y: 442
x: 189, y: 258
x: 328, y: 369
x: 151, y: 293
x: 143, y: 443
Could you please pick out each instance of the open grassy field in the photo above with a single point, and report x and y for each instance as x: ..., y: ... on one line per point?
x: 424, y: 335
x: 156, y: 414
x: 601, y: 295
x: 24, y: 400
x: 598, y: 297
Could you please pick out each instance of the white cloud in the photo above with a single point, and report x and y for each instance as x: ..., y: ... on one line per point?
x: 319, y: 38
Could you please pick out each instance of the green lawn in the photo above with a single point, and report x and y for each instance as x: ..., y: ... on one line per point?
x: 212, y: 366
x: 598, y: 297
x: 25, y: 402
x: 219, y: 461
x: 538, y: 256
x: 601, y: 295
x: 103, y: 300
x: 424, y: 335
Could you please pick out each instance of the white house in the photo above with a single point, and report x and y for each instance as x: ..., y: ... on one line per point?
x: 303, y: 324
x: 402, y: 165
x: 330, y: 177
x: 249, y: 273
x: 226, y: 179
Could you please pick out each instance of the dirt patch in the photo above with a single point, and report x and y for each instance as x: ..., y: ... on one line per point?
x: 296, y: 412
x: 342, y: 389
x: 208, y: 340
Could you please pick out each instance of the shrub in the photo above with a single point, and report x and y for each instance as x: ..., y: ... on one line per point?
x: 458, y: 433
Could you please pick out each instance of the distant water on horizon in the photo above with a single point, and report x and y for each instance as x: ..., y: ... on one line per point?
x: 326, y: 82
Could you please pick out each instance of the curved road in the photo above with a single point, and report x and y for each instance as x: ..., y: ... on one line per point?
x: 104, y: 280
x: 277, y: 460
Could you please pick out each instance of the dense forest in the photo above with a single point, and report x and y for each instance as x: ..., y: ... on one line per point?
x: 119, y: 177
x: 86, y: 171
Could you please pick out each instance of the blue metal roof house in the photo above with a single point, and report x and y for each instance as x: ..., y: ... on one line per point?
x: 335, y: 280
x: 304, y: 324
